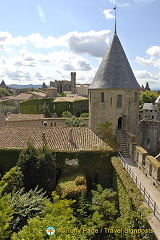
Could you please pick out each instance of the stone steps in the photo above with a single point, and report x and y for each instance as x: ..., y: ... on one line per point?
x: 122, y: 144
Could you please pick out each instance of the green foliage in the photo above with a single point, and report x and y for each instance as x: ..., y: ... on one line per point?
x: 75, y: 122
x: 103, y: 207
x: 80, y: 180
x: 26, y: 205
x: 12, y: 180
x: 71, y: 186
x: 59, y: 215
x: 47, y: 113
x: 67, y: 114
x: 133, y: 214
x: 8, y: 108
x: 4, y: 92
x: 37, y: 106
x: 148, y: 97
x: 8, y: 159
x: 84, y: 115
x: 106, y: 133
x: 38, y: 167
x: 6, y: 215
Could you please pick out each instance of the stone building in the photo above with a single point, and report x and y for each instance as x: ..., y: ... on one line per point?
x: 65, y: 85
x: 114, y: 92
x: 150, y: 111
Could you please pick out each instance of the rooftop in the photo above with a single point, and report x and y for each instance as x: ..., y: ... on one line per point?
x: 22, y: 117
x: 149, y: 106
x: 114, y: 71
x: 56, y: 138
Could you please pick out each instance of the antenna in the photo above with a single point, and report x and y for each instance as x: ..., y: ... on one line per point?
x: 115, y: 8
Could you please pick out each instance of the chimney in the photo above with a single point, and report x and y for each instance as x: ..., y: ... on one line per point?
x: 43, y: 137
x: 70, y: 136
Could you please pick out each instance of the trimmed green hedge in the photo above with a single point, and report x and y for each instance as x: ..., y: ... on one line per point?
x: 96, y: 165
x: 36, y: 106
x: 8, y: 159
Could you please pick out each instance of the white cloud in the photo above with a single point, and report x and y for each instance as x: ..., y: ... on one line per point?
x: 119, y: 3
x: 153, y: 51
x: 91, y: 43
x: 108, y: 14
x: 144, y: 76
x: 145, y: 1
x: 143, y: 61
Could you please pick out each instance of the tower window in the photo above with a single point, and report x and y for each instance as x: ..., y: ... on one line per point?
x: 136, y: 97
x: 90, y: 96
x: 111, y: 101
x: 102, y: 97
x: 119, y: 101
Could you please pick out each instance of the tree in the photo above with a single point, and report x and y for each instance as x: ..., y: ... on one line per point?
x: 57, y: 214
x: 147, y: 88
x: 67, y: 114
x: 106, y: 133
x: 6, y: 215
x: 12, y: 180
x: 46, y: 111
x: 26, y: 205
x: 148, y: 97
x: 38, y: 167
x: 75, y: 122
x: 84, y: 115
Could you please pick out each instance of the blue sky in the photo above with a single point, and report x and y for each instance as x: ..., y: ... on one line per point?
x: 44, y: 40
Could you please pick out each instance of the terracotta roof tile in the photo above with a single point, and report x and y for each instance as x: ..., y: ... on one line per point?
x: 21, y: 117
x: 56, y: 138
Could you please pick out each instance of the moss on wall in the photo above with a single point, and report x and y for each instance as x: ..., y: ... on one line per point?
x: 36, y: 106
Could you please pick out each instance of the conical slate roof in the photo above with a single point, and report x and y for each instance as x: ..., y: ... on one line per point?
x: 114, y: 71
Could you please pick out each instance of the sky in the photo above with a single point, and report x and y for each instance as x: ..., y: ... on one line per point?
x: 46, y: 40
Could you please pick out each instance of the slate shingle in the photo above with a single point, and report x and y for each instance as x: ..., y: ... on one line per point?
x: 114, y: 71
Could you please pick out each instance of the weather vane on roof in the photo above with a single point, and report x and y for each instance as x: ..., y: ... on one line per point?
x: 115, y: 8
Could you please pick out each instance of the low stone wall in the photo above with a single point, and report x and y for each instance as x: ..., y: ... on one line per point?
x: 148, y: 164
x: 51, y: 122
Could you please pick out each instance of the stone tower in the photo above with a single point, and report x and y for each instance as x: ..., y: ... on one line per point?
x: 73, y: 82
x: 114, y: 92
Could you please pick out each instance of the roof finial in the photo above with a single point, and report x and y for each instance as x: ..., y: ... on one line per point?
x: 115, y: 29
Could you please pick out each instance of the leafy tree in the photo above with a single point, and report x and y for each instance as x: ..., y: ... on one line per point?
x: 6, y: 215
x: 75, y: 122
x: 106, y: 133
x: 26, y: 205
x: 148, y: 97
x: 103, y: 207
x: 12, y: 180
x: 67, y: 114
x: 57, y: 214
x: 46, y: 111
x: 4, y: 92
x: 147, y: 88
x: 84, y: 115
x: 38, y: 167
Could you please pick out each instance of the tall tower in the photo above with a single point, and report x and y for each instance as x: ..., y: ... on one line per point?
x: 73, y: 82
x: 114, y: 92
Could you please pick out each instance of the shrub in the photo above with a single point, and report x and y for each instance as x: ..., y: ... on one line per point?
x: 12, y: 180
x: 80, y: 181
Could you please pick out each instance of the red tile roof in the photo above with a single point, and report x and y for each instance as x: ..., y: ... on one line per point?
x: 56, y: 138
x: 22, y: 117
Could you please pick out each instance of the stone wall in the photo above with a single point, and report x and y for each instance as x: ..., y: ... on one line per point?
x: 118, y: 106
x: 149, y: 136
x: 51, y: 122
x: 148, y: 164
